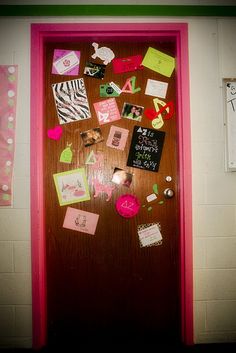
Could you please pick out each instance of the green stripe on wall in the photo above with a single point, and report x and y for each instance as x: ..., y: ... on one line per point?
x: 116, y: 10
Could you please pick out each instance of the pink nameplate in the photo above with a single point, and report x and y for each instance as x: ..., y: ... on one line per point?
x: 130, y: 63
x: 127, y: 205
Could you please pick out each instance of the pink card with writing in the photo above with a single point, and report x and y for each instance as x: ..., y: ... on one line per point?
x: 107, y: 111
x: 130, y: 63
x: 8, y: 95
x: 66, y: 62
x: 117, y: 137
x: 81, y: 221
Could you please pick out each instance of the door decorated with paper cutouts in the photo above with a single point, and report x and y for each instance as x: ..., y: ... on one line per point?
x: 111, y: 192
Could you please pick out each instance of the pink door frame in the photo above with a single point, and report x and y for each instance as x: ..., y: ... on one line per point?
x: 40, y: 34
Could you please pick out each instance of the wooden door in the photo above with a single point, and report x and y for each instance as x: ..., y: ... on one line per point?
x: 106, y: 286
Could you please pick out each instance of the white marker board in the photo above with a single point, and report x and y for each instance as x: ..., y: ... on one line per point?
x: 230, y: 109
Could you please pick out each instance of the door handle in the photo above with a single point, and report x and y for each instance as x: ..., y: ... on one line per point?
x: 169, y: 193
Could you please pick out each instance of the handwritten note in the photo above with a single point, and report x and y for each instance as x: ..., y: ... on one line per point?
x: 159, y: 62
x: 149, y: 234
x: 146, y: 148
x: 156, y: 88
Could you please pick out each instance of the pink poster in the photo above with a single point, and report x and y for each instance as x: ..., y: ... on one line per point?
x: 8, y: 94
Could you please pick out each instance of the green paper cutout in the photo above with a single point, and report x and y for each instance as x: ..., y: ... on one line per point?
x: 161, y: 202
x: 11, y: 78
x: 159, y: 62
x: 143, y: 205
x: 10, y: 102
x: 10, y: 126
x: 71, y: 186
x: 158, y: 122
x: 7, y: 170
x: 6, y: 197
x: 66, y: 155
x: 149, y: 208
x: 91, y: 159
x: 155, y: 188
x: 133, y: 83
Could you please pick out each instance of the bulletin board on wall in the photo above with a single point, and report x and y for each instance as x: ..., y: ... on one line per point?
x: 111, y: 188
x: 229, y: 94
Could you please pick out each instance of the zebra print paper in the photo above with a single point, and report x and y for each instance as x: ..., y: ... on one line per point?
x: 71, y: 101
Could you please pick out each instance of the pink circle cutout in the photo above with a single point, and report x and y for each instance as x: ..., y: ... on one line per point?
x: 127, y: 205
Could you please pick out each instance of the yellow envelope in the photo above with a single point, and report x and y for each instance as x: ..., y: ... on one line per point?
x: 159, y: 62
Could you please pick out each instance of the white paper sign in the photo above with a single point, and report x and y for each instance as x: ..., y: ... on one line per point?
x: 149, y: 235
x: 151, y: 197
x: 156, y: 88
x: 231, y: 124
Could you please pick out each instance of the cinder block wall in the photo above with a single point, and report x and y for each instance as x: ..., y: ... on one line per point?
x: 212, y: 49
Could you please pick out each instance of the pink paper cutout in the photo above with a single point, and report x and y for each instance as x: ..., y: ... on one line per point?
x: 99, y: 163
x: 127, y: 64
x: 117, y: 137
x: 8, y: 98
x: 81, y: 221
x: 107, y: 111
x: 129, y: 86
x: 55, y: 133
x: 102, y: 188
x: 127, y: 205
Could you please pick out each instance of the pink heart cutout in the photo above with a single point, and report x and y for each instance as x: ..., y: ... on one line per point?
x: 55, y: 133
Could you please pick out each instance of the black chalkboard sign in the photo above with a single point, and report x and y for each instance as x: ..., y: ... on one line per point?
x: 146, y: 148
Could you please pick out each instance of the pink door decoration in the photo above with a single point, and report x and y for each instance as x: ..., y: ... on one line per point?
x: 8, y: 94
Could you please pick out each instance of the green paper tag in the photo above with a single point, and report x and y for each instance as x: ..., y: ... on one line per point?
x: 66, y: 155
x: 6, y: 197
x: 155, y: 188
x: 91, y: 159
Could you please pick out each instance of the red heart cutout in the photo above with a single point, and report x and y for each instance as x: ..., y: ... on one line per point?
x: 169, y: 115
x: 150, y: 113
x: 55, y: 133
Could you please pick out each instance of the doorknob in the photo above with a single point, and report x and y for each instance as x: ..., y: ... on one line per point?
x: 168, y: 193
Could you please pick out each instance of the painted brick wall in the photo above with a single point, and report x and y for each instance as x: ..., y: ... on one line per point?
x: 212, y: 57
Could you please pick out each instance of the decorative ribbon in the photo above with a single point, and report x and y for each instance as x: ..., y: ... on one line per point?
x: 8, y: 94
